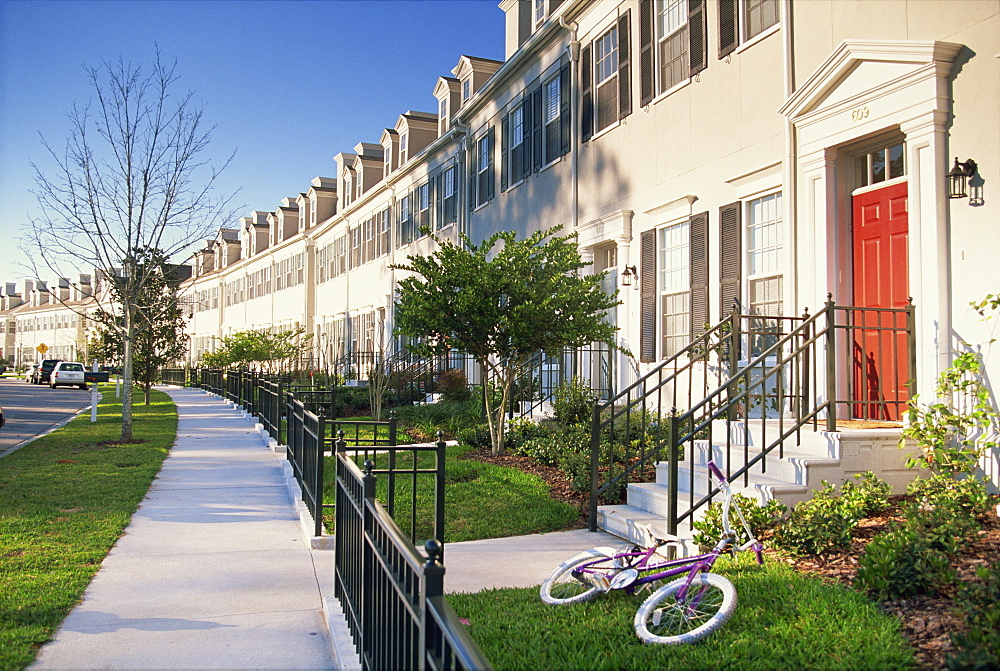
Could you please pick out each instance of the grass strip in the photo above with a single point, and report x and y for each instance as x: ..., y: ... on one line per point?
x: 783, y: 620
x: 66, y: 499
x: 481, y: 500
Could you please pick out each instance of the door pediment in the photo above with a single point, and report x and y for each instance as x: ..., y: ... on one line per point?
x: 860, y: 67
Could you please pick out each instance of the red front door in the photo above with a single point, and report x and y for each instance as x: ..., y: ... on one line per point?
x: 880, y: 370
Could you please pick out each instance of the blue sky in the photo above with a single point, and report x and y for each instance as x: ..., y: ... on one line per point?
x: 287, y: 84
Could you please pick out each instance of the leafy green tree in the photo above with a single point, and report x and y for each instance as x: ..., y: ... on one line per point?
x: 502, y: 304
x: 158, y: 337
x: 260, y: 350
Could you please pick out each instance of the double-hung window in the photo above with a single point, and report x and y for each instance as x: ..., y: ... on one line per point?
x: 606, y: 78
x: 764, y: 255
x: 536, y: 132
x: 742, y: 20
x: 405, y: 220
x: 449, y: 198
x: 672, y: 44
x: 671, y: 25
x: 482, y: 188
x: 606, y: 83
x: 423, y: 209
x: 675, y: 285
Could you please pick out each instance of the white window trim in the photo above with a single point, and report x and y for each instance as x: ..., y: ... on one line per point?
x: 767, y: 32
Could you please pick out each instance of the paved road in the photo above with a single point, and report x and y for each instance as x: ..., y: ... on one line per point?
x: 32, y: 409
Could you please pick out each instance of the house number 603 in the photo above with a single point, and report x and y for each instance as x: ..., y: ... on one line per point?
x: 860, y: 114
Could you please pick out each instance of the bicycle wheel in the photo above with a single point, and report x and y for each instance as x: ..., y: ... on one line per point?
x: 663, y: 619
x: 564, y: 587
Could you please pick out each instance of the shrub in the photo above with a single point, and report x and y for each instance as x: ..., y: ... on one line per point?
x: 901, y: 563
x: 573, y: 402
x: 968, y: 495
x: 822, y: 523
x: 913, y: 558
x: 979, y: 647
x: 866, y: 492
x: 825, y: 522
x: 760, y: 517
x: 453, y: 385
x: 477, y: 436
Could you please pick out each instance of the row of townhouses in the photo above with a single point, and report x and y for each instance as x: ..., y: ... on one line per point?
x: 708, y: 153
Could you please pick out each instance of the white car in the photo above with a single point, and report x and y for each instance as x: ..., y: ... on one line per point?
x: 30, y: 372
x: 68, y: 374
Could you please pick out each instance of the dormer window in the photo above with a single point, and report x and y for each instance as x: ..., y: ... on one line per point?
x: 466, y: 89
x: 403, y: 137
x: 539, y: 13
x: 443, y: 110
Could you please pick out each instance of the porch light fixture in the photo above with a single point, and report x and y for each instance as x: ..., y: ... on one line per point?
x: 628, y: 274
x: 958, y: 178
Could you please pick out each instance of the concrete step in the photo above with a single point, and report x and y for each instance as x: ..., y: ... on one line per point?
x: 625, y: 522
x: 792, y: 467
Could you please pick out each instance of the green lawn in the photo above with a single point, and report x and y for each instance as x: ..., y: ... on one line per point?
x: 481, y: 500
x: 783, y: 620
x: 66, y: 498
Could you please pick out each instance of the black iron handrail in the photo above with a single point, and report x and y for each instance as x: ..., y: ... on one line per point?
x: 778, y: 385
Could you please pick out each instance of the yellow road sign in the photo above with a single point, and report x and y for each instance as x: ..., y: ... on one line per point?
x: 42, y: 348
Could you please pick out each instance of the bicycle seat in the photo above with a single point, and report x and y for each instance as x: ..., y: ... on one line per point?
x: 651, y: 537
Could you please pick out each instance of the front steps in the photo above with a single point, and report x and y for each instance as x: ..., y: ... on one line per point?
x: 818, y: 456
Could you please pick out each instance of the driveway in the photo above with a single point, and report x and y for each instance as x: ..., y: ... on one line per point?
x: 33, y: 409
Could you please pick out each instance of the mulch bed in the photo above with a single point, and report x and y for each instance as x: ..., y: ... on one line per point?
x: 928, y: 622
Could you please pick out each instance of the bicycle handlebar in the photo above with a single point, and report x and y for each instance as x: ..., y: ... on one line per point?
x: 717, y: 471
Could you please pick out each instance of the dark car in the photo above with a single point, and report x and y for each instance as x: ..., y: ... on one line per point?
x: 44, y: 371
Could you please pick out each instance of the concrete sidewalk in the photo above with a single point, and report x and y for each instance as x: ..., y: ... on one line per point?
x: 217, y: 568
x: 213, y: 571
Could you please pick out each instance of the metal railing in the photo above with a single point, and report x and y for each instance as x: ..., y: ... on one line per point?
x: 271, y: 407
x: 213, y: 380
x: 305, y: 450
x: 392, y: 596
x: 773, y: 376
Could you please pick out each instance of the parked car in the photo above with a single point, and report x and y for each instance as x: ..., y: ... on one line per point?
x: 68, y: 374
x: 44, y: 371
x: 29, y: 374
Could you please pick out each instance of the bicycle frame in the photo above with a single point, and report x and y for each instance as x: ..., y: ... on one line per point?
x: 660, y: 570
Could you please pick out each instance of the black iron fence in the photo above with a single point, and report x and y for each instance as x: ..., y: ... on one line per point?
x: 391, y: 595
x: 307, y: 443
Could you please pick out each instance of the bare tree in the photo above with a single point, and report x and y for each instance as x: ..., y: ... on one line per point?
x: 132, y: 176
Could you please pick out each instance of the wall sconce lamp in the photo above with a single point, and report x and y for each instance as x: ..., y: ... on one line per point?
x: 629, y: 275
x: 958, y: 178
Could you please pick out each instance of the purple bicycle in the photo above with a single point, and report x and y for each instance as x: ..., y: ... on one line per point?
x: 683, y: 611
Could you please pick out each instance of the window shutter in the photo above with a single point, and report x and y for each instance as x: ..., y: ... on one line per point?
x: 730, y: 261
x: 586, y: 94
x: 647, y: 297
x: 646, y: 76
x: 697, y: 36
x: 699, y: 273
x: 490, y: 171
x: 533, y: 159
x: 437, y: 198
x: 473, y: 166
x: 728, y: 24
x: 505, y: 167
x: 624, y: 65
x: 565, y: 118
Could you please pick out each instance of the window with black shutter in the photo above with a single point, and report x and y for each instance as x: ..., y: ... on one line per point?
x: 647, y: 297
x: 699, y: 274
x: 586, y: 94
x: 672, y: 45
x: 743, y: 20
x: 730, y: 257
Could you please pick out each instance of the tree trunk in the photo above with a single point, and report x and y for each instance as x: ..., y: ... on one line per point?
x: 126, y: 436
